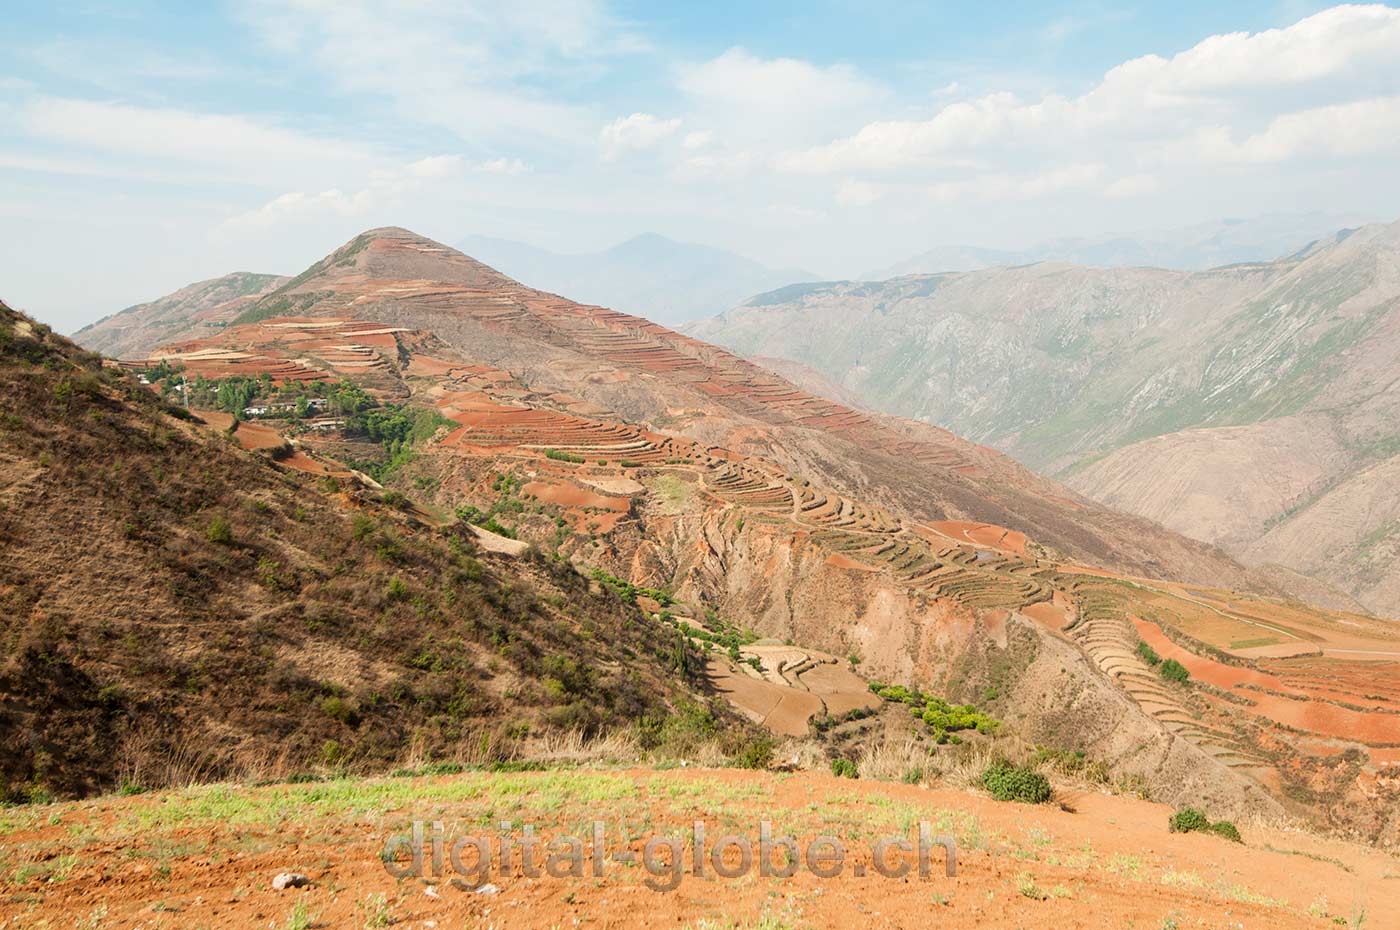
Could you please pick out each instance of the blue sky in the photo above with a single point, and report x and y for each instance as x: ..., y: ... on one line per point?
x: 150, y: 145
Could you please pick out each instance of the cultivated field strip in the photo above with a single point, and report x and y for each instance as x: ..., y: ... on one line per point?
x: 1105, y: 634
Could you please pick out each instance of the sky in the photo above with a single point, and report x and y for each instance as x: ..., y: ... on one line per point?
x: 149, y: 145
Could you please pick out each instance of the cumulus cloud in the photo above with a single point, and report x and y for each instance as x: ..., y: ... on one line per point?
x: 762, y: 99
x: 1323, y: 85
x: 635, y: 133
x: 297, y: 204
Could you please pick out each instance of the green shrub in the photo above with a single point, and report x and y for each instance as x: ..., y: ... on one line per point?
x: 1007, y: 782
x: 1188, y: 820
x: 844, y: 768
x: 559, y: 456
x: 337, y: 708
x: 1148, y: 654
x: 1191, y: 820
x: 395, y: 499
x: 755, y: 754
x: 219, y: 531
x: 1173, y: 670
x: 397, y: 590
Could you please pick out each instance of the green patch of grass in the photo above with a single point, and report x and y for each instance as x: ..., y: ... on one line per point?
x: 1255, y: 643
x: 672, y: 492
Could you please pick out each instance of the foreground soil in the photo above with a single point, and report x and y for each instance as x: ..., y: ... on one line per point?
x: 206, y: 857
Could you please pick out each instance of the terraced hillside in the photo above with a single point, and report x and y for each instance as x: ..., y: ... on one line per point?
x: 969, y: 607
x: 649, y: 375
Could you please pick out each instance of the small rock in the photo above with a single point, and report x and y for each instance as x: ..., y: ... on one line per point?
x: 431, y: 891
x: 287, y: 880
x: 488, y: 889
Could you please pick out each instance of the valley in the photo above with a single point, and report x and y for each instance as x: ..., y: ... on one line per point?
x: 1250, y: 406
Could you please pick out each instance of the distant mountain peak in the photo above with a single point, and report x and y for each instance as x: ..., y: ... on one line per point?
x: 649, y: 275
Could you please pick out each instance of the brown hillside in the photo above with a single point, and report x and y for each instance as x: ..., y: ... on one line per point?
x: 174, y: 607
x: 199, y: 309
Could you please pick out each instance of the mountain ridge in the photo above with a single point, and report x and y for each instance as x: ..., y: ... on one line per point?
x: 1081, y: 372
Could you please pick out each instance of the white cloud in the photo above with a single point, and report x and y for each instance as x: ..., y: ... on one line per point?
x: 1347, y: 59
x: 501, y: 166
x: 718, y: 166
x: 299, y: 204
x: 698, y: 139
x: 1132, y: 186
x: 435, y: 166
x: 1005, y: 187
x: 635, y: 133
x: 1365, y: 127
x: 760, y: 100
x: 386, y: 189
x: 471, y: 66
x: 853, y: 193
x: 446, y: 166
x: 226, y: 143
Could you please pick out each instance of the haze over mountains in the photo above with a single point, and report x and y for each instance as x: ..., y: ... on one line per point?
x: 1251, y: 405
x: 1190, y: 248
x: 649, y: 275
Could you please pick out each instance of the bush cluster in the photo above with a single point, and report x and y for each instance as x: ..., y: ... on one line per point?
x: 1007, y: 782
x: 941, y: 717
x: 1191, y: 820
x: 1173, y: 670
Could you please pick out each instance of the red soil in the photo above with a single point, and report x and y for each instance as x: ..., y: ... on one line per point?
x: 253, y: 436
x: 570, y: 495
x: 986, y: 535
x: 1104, y: 863
x: 840, y: 560
x: 1292, y: 708
x: 300, y: 461
x: 1048, y: 613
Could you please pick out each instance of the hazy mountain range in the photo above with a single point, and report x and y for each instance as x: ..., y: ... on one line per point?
x: 1188, y: 248
x: 665, y: 280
